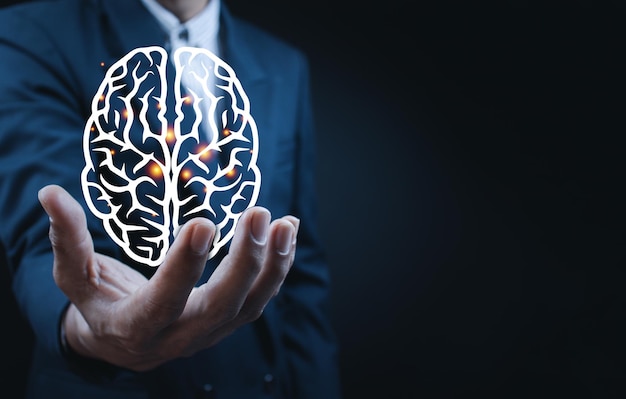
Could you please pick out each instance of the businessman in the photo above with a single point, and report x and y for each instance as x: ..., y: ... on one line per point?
x: 250, y: 322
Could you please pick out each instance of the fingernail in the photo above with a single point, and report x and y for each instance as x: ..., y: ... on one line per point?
x: 297, y: 226
x: 201, y: 237
x: 284, y: 241
x: 260, y: 226
x: 42, y: 198
x: 296, y: 223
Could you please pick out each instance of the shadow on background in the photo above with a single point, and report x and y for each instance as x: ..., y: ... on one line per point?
x: 470, y: 176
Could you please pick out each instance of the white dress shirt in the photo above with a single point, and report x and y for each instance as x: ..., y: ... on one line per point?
x: 200, y: 31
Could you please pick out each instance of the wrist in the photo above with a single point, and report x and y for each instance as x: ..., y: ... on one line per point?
x: 89, y: 368
x: 63, y: 344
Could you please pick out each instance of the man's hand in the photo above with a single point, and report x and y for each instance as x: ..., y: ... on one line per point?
x: 119, y: 316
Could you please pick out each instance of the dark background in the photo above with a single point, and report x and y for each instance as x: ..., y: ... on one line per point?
x: 470, y: 176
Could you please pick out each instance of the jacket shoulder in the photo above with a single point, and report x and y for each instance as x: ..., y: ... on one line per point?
x: 266, y: 44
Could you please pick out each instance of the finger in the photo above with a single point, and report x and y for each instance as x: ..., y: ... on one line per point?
x: 278, y: 261
x: 279, y: 257
x: 164, y: 297
x: 236, y: 293
x: 296, y: 224
x: 71, y: 242
x: 228, y: 287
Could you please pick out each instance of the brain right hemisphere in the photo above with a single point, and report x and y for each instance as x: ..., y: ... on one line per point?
x: 158, y: 152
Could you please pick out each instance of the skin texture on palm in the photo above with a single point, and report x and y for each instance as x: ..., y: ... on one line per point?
x: 119, y: 316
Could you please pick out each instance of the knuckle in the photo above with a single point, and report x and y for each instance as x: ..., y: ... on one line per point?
x: 251, y: 313
x: 251, y: 260
x: 178, y: 347
x: 225, y: 313
x: 137, y: 344
x: 253, y: 266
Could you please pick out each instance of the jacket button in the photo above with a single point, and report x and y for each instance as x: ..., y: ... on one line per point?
x: 206, y: 392
x: 268, y: 383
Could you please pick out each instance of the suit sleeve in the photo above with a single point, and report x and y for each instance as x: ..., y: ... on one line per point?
x: 40, y: 143
x: 305, y: 294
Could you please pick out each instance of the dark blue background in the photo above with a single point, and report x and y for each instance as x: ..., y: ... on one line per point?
x: 471, y: 171
x: 470, y: 181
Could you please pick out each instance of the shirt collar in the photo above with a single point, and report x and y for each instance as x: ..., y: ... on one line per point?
x: 199, y: 31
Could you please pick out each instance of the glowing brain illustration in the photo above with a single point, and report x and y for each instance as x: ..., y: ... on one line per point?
x: 167, y: 142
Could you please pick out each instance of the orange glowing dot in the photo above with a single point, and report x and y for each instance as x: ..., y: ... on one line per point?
x: 155, y: 171
x: 226, y: 132
x: 102, y: 64
x: 187, y: 100
x: 170, y: 136
x: 93, y: 128
x: 206, y: 190
x: 231, y: 173
x: 153, y: 215
x: 158, y: 105
x: 186, y: 174
x: 205, y: 155
x: 101, y: 98
x: 112, y: 152
x: 125, y: 114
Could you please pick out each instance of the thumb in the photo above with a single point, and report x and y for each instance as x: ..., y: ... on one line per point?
x: 71, y: 242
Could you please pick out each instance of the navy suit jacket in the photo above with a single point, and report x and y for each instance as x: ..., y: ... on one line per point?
x: 50, y: 67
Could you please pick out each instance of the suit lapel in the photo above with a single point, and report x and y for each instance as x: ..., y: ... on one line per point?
x: 132, y: 24
x: 238, y: 51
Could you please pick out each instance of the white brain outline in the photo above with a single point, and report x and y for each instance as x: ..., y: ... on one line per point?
x: 157, y: 155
